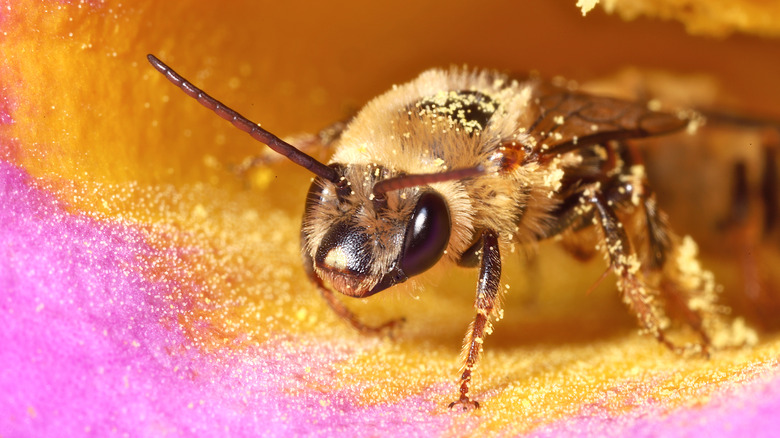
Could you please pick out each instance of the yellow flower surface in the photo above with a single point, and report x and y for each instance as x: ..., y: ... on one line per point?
x: 150, y: 290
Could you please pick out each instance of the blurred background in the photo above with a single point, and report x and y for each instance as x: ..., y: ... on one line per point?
x: 297, y: 66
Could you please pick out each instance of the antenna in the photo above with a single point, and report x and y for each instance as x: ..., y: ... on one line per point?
x: 295, y: 155
x: 419, y: 179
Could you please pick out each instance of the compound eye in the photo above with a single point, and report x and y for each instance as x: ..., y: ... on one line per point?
x: 427, y: 234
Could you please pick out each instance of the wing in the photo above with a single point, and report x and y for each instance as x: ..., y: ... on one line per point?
x: 569, y: 120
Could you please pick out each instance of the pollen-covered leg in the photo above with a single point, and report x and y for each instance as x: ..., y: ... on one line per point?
x: 389, y: 328
x: 486, y: 301
x: 687, y: 289
x: 690, y: 291
x: 641, y: 299
x: 344, y: 313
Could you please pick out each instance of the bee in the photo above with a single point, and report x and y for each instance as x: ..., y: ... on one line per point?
x: 462, y: 164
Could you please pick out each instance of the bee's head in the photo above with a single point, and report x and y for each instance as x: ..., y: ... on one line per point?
x: 363, y: 241
x: 364, y: 228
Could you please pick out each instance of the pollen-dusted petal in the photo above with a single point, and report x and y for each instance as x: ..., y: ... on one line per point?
x: 718, y: 18
x: 147, y: 290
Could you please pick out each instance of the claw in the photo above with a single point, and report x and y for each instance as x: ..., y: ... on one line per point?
x: 389, y: 328
x: 464, y: 404
x: 701, y: 348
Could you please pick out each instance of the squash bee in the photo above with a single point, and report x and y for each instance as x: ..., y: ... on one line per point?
x: 460, y: 164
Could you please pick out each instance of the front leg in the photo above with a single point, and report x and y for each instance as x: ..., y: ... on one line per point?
x: 487, y: 295
x: 342, y: 311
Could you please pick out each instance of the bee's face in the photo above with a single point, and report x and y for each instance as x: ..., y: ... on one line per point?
x: 361, y: 245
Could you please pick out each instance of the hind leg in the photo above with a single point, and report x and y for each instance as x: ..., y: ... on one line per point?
x: 643, y: 300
